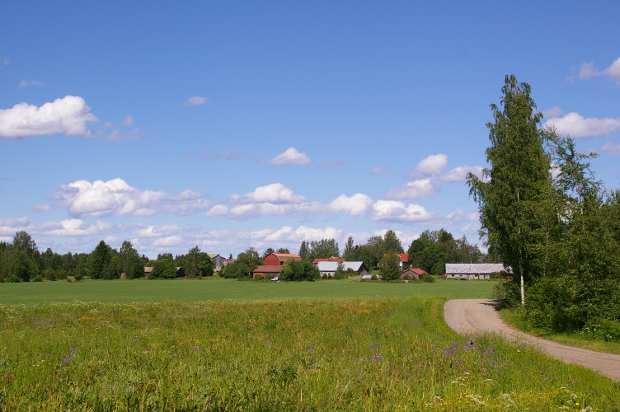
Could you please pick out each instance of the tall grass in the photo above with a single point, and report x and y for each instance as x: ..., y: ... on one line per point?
x: 380, y: 354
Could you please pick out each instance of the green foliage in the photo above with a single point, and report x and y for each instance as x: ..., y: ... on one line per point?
x: 373, y: 250
x: 390, y: 266
x: 130, y: 261
x: 324, y: 248
x: 236, y: 270
x: 250, y: 258
x: 164, y: 267
x: 101, y: 262
x: 196, y: 263
x: 304, y: 251
x: 302, y: 270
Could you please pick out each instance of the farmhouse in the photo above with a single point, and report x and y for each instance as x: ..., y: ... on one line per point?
x: 279, y: 259
x: 219, y: 261
x: 329, y: 259
x: 355, y: 266
x: 470, y: 271
x: 267, y: 271
x: 404, y: 261
x: 412, y: 273
x: 327, y: 269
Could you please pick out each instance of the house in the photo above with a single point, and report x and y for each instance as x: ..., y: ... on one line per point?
x: 267, y: 271
x: 329, y: 259
x: 219, y: 261
x: 413, y: 273
x: 327, y: 269
x: 279, y: 259
x: 148, y: 271
x: 404, y: 261
x: 356, y: 266
x: 470, y: 271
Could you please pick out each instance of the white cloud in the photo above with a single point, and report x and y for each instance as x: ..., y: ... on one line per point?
x: 152, y: 231
x: 356, y: 204
x: 432, y: 164
x: 73, y: 227
x: 196, y: 101
x: 10, y: 226
x: 290, y: 234
x: 218, y: 210
x: 168, y: 241
x: 589, y: 71
x: 461, y: 215
x: 393, y: 210
x: 611, y: 148
x: 575, y: 125
x: 291, y: 156
x: 415, y: 188
x: 68, y: 115
x: 459, y: 174
x: 104, y: 197
x: 29, y: 83
x: 272, y: 193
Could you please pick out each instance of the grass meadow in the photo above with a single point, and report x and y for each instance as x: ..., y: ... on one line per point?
x: 118, y: 291
x: 222, y: 345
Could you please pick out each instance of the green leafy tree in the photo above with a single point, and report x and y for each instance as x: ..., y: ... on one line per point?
x: 250, y: 258
x: 130, y: 261
x: 268, y: 251
x: 283, y: 250
x: 164, y: 267
x: 516, y: 196
x: 349, y: 249
x: 391, y: 242
x: 304, y: 251
x: 197, y: 263
x: 236, y: 270
x: 297, y: 271
x: 390, y: 266
x: 101, y: 261
x: 323, y: 248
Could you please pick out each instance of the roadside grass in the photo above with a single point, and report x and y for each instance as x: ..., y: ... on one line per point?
x: 119, y: 291
x: 514, y: 317
x: 347, y: 354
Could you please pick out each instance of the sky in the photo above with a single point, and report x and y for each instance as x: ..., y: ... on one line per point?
x: 235, y: 124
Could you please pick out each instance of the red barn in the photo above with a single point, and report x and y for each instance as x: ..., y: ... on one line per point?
x: 279, y: 259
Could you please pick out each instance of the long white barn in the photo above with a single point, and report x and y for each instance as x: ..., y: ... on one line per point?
x: 473, y: 270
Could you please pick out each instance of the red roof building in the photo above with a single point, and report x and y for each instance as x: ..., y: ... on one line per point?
x: 266, y: 271
x: 279, y: 259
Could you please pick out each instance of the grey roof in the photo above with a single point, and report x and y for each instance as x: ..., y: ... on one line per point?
x: 327, y: 266
x: 475, y: 268
x: 355, y: 266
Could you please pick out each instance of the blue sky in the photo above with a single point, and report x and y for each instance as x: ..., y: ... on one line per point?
x: 235, y: 124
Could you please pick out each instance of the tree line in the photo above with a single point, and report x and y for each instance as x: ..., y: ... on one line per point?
x: 21, y: 261
x: 548, y: 218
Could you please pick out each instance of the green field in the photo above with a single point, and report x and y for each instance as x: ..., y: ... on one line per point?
x: 381, y: 354
x: 118, y: 291
x: 515, y: 318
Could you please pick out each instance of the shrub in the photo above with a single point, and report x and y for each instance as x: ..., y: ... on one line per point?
x: 299, y: 271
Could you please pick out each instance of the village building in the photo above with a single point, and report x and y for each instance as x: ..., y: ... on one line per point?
x: 327, y: 269
x: 469, y: 271
x: 219, y: 261
x: 329, y: 259
x: 356, y: 266
x: 267, y: 271
x: 275, y: 259
x: 413, y: 273
x: 404, y: 261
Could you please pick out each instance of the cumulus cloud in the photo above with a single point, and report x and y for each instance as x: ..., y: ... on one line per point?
x: 73, y: 227
x: 393, y: 210
x: 218, y: 210
x: 168, y: 241
x: 461, y: 215
x: 196, y: 101
x: 10, y: 226
x: 589, y: 71
x: 575, y: 125
x: 554, y: 111
x: 291, y: 156
x: 459, y: 174
x: 271, y: 193
x: 415, y: 188
x: 356, y: 204
x: 290, y: 234
x: 152, y: 231
x: 68, y: 115
x: 611, y: 148
x: 432, y: 164
x: 117, y: 197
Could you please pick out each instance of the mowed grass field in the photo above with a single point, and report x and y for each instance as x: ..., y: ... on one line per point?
x: 342, y: 354
x: 119, y: 291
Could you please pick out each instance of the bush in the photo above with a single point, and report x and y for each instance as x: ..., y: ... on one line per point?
x: 299, y: 271
x: 237, y: 270
x: 427, y: 278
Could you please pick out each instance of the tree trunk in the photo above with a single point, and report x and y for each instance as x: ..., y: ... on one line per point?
x: 522, y: 292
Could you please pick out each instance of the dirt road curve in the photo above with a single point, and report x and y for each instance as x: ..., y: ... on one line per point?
x: 478, y: 316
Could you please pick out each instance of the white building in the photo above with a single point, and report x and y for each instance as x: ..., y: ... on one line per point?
x: 470, y: 271
x: 327, y: 269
